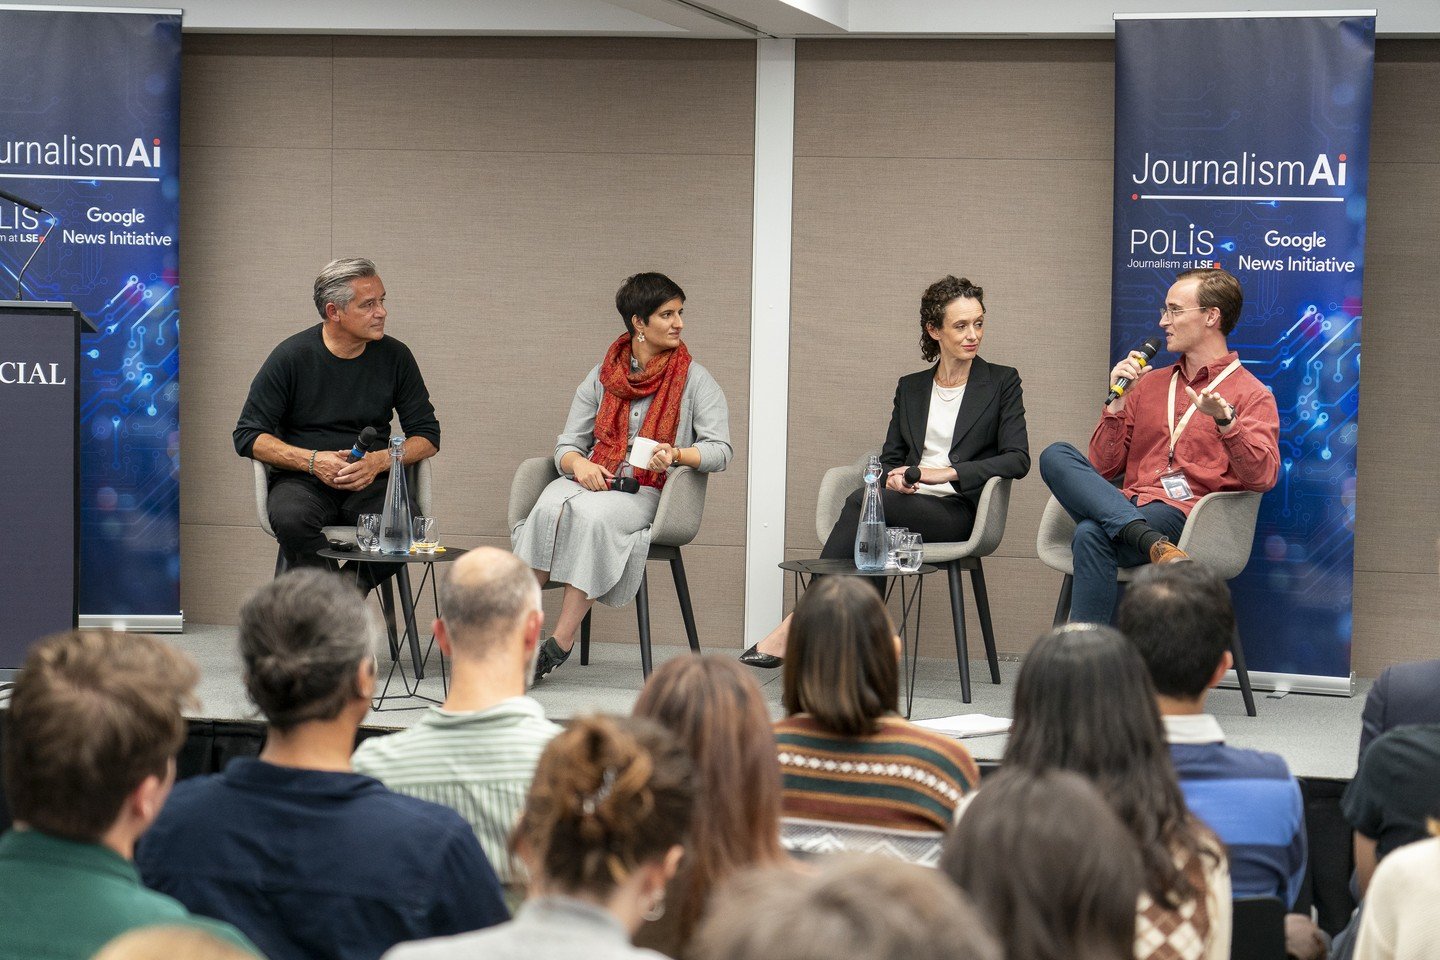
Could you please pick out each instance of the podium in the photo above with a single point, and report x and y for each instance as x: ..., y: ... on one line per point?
x: 39, y: 473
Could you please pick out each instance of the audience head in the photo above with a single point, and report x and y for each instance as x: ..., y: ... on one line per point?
x: 936, y: 298
x: 1179, y: 616
x: 307, y: 641
x: 490, y: 608
x: 336, y: 282
x: 641, y: 295
x: 1049, y: 865
x: 1084, y: 702
x: 608, y: 809
x: 717, y: 711
x: 842, y: 666
x: 167, y: 943
x: 94, y: 723
x: 858, y: 908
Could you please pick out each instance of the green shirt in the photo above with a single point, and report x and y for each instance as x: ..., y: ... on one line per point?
x: 62, y: 900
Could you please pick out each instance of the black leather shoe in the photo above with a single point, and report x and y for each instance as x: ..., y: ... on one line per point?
x: 765, y: 661
x: 551, y: 656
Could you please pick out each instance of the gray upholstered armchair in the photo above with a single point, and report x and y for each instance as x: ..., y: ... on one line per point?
x: 677, y: 521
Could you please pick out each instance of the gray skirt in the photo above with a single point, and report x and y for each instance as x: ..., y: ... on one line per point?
x: 595, y: 541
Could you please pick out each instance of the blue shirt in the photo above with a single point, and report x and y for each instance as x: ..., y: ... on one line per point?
x: 314, y: 864
x: 1251, y: 802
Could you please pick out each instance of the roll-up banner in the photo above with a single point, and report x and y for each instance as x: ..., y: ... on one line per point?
x: 90, y: 132
x: 1243, y: 141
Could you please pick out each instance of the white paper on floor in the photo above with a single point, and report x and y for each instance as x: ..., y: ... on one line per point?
x: 967, y: 725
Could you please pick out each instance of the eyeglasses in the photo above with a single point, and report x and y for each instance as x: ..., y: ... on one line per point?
x: 1174, y: 312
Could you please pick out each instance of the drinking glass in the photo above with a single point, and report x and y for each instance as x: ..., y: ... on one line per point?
x: 422, y: 530
x: 911, y: 552
x: 367, y: 532
x: 893, y: 536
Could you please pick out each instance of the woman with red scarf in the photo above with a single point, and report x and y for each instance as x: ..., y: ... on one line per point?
x: 583, y: 534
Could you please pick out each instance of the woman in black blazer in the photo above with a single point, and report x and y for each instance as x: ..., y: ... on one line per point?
x: 961, y: 422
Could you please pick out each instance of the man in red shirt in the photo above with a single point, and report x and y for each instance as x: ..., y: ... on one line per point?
x: 1201, y: 425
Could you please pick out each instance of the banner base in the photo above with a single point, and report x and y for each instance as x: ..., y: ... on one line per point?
x: 1294, y: 683
x: 153, y: 623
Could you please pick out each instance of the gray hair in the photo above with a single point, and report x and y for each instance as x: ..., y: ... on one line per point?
x: 333, y: 284
x: 486, y: 594
x: 303, y: 635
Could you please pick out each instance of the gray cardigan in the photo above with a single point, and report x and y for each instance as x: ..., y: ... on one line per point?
x: 545, y: 928
x: 704, y: 419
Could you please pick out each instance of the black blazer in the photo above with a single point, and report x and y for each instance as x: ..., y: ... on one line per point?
x: 989, y: 439
x: 1403, y: 696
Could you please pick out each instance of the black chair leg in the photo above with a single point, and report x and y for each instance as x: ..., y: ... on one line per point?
x: 957, y: 613
x: 280, y: 564
x: 387, y: 607
x: 982, y: 607
x: 1062, y: 606
x: 642, y: 617
x: 585, y: 640
x: 682, y: 591
x: 1242, y: 674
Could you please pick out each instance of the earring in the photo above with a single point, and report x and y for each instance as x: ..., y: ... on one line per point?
x: 656, y: 910
x: 639, y: 337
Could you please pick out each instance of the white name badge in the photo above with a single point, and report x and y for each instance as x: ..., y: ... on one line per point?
x: 1176, y: 486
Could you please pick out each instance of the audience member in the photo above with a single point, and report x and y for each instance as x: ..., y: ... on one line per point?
x: 91, y: 735
x: 1392, y: 795
x: 853, y: 907
x: 601, y: 836
x: 1180, y: 618
x: 718, y: 712
x: 1050, y: 867
x: 846, y: 756
x: 477, y: 751
x: 1404, y: 695
x: 1085, y: 703
x: 1400, y: 921
x: 308, y: 858
x: 170, y: 943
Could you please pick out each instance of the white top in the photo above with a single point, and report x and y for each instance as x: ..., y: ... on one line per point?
x: 1399, y: 920
x: 940, y: 435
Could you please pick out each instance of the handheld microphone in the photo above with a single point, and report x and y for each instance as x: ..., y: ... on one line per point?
x: 363, y: 443
x: 21, y: 201
x: 912, y: 476
x: 1148, y: 349
x: 625, y: 484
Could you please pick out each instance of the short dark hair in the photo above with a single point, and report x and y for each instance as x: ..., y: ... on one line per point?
x: 1049, y: 865
x: 856, y: 907
x: 609, y: 795
x: 644, y: 293
x: 1218, y: 289
x: 933, y: 302
x: 840, y: 662
x: 93, y: 713
x: 1084, y: 702
x: 303, y: 637
x: 1179, y: 616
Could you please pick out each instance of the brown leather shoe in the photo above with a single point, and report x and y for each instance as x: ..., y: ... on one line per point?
x: 1163, y: 551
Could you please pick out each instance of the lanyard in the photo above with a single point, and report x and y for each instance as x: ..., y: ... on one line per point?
x: 1177, y: 429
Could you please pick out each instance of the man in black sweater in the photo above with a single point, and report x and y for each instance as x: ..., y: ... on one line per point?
x: 314, y: 395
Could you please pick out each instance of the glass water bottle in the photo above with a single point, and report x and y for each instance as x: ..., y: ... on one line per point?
x: 395, y: 518
x: 870, y: 546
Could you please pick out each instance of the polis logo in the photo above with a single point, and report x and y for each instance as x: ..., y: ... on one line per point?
x: 24, y: 373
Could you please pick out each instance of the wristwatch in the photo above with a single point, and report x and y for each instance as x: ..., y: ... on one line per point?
x: 1228, y: 420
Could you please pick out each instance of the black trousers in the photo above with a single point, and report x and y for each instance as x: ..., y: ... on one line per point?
x: 300, y: 506
x: 936, y: 519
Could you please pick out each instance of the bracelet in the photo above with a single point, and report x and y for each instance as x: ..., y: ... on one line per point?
x: 312, y: 462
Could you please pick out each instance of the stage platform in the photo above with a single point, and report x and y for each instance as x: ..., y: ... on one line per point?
x: 1317, y: 735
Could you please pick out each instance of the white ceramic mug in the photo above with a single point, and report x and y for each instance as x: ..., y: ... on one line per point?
x: 641, y: 451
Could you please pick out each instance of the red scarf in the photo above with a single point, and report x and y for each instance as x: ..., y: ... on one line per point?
x: 663, y: 378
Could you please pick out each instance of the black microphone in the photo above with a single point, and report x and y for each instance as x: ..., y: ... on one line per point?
x: 363, y: 443
x: 912, y: 476
x: 625, y: 484
x: 22, y: 202
x: 1148, y: 349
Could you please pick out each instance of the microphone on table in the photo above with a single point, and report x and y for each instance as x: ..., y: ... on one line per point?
x: 1147, y: 350
x: 912, y: 476
x: 363, y: 443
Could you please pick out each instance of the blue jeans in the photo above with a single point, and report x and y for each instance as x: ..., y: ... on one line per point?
x: 1100, y: 512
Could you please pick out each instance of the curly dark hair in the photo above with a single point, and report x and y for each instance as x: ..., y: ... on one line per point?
x: 938, y: 296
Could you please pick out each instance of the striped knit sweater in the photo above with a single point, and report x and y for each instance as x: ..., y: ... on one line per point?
x: 902, y: 777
